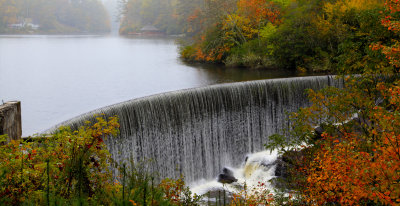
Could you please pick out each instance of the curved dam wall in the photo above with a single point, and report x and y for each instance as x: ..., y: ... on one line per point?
x: 196, y: 132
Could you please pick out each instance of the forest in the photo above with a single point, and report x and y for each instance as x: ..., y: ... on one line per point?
x: 316, y: 35
x: 53, y: 17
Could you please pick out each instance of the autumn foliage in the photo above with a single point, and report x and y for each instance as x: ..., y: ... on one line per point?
x: 71, y: 164
x: 73, y: 167
x: 259, y: 10
x: 356, y: 160
x: 232, y: 29
x: 391, y: 22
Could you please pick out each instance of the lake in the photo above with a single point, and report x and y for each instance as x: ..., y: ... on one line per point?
x: 59, y: 77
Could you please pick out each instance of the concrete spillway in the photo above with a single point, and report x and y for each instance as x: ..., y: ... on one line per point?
x: 196, y: 132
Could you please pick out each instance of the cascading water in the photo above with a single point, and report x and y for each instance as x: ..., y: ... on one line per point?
x: 196, y: 132
x: 255, y: 173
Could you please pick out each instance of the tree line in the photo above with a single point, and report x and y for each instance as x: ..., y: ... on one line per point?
x: 313, y: 35
x: 316, y: 35
x: 55, y: 16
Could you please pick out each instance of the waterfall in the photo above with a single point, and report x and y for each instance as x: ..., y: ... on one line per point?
x: 196, y: 132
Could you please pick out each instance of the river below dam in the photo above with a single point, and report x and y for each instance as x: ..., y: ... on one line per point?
x: 60, y: 77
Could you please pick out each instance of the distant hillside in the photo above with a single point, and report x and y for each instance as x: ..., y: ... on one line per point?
x: 54, y: 17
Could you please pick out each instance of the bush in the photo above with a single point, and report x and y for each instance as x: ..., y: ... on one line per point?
x: 74, y: 168
x: 69, y: 164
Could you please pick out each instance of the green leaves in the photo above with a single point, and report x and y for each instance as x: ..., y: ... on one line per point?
x: 77, y: 164
x: 3, y: 138
x: 268, y: 30
x: 276, y: 141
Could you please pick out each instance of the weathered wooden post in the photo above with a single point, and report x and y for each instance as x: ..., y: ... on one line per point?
x: 10, y: 120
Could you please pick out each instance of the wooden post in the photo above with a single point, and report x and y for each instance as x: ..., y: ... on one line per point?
x: 10, y: 120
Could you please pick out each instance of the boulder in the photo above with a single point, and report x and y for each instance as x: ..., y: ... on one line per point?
x: 281, y: 168
x: 226, y: 177
x: 227, y: 171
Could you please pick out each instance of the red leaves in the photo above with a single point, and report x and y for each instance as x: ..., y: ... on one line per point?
x: 350, y: 167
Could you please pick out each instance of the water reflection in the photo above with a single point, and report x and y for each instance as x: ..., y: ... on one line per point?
x: 59, y: 77
x: 221, y: 74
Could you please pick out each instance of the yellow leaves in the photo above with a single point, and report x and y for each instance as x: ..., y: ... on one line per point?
x: 341, y: 6
x: 330, y: 22
x: 268, y: 31
x: 25, y: 163
x: 239, y: 25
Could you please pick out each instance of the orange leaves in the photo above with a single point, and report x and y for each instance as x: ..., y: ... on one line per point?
x: 207, y: 51
x: 173, y: 189
x: 253, y: 9
x: 259, y: 10
x: 357, y: 162
x: 195, y: 20
x: 336, y: 175
x: 392, y: 23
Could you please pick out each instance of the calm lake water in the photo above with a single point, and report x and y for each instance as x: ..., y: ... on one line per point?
x: 60, y: 77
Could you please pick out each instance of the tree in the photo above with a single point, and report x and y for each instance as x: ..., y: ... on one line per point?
x: 8, y: 13
x: 391, y: 21
x: 139, y: 13
x: 57, y: 16
x: 356, y: 160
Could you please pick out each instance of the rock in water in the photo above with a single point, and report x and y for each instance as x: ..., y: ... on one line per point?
x: 226, y: 177
x: 227, y: 171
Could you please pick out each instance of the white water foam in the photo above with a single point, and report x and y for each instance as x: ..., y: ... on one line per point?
x: 258, y: 169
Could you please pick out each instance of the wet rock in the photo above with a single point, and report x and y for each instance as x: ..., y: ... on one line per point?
x: 282, y: 179
x: 227, y: 171
x: 318, y: 132
x: 226, y: 177
x: 281, y: 168
x: 286, y: 167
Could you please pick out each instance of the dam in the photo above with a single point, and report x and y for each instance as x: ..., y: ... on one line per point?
x: 196, y: 132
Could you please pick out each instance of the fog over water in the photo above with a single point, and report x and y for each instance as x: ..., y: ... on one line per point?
x: 60, y: 77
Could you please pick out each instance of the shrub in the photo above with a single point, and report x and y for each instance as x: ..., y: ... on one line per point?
x: 74, y: 168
